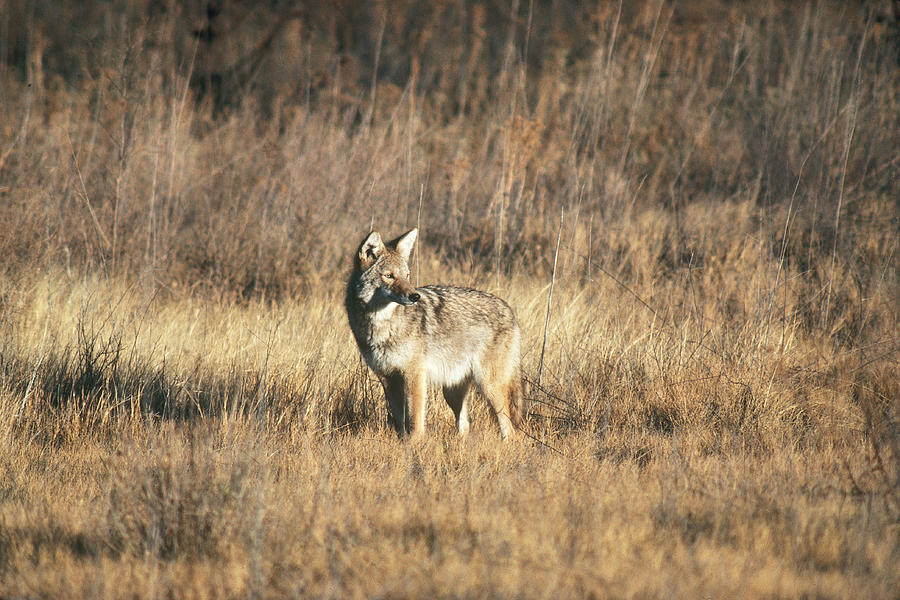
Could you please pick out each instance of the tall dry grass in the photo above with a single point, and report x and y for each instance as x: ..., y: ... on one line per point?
x: 712, y: 189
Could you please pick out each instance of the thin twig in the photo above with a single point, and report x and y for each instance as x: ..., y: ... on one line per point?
x: 550, y: 295
x: 419, y: 235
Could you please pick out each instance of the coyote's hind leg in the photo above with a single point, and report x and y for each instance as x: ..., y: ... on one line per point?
x: 457, y: 397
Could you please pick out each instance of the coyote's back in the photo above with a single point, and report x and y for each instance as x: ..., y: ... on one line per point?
x: 439, y: 335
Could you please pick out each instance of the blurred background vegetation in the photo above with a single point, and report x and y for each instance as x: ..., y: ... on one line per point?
x: 242, y: 147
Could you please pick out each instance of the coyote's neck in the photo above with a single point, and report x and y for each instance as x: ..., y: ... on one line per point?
x: 370, y: 318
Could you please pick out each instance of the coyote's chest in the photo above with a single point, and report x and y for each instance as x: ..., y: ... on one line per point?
x: 381, y: 342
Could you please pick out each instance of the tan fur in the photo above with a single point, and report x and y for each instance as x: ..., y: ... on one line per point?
x: 435, y: 335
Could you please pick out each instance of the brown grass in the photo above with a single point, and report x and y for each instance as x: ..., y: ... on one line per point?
x: 183, y: 412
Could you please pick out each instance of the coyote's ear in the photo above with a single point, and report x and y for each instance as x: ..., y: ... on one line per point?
x: 370, y: 250
x: 404, y: 244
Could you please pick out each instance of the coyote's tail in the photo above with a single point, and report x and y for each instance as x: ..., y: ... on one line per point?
x: 517, y: 402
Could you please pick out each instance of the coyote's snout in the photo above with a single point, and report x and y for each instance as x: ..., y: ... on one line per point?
x: 434, y: 335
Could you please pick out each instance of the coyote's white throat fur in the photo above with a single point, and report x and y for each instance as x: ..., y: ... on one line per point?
x: 435, y: 335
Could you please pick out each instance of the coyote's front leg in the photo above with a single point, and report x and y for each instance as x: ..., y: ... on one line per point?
x: 416, y: 398
x: 395, y: 394
x: 406, y: 394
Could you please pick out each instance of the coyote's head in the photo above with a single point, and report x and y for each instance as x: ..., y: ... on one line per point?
x: 384, y: 268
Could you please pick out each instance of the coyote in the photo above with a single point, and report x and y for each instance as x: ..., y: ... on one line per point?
x: 433, y: 335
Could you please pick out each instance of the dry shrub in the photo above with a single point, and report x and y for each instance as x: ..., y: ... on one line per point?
x: 187, y: 502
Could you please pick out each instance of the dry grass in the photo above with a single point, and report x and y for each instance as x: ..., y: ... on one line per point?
x: 183, y: 412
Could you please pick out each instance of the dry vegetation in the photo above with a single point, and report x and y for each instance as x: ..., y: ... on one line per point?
x: 183, y: 412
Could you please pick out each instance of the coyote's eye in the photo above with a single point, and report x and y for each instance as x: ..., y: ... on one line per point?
x: 388, y: 275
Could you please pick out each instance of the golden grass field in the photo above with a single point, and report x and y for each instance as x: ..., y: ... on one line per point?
x: 710, y: 190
